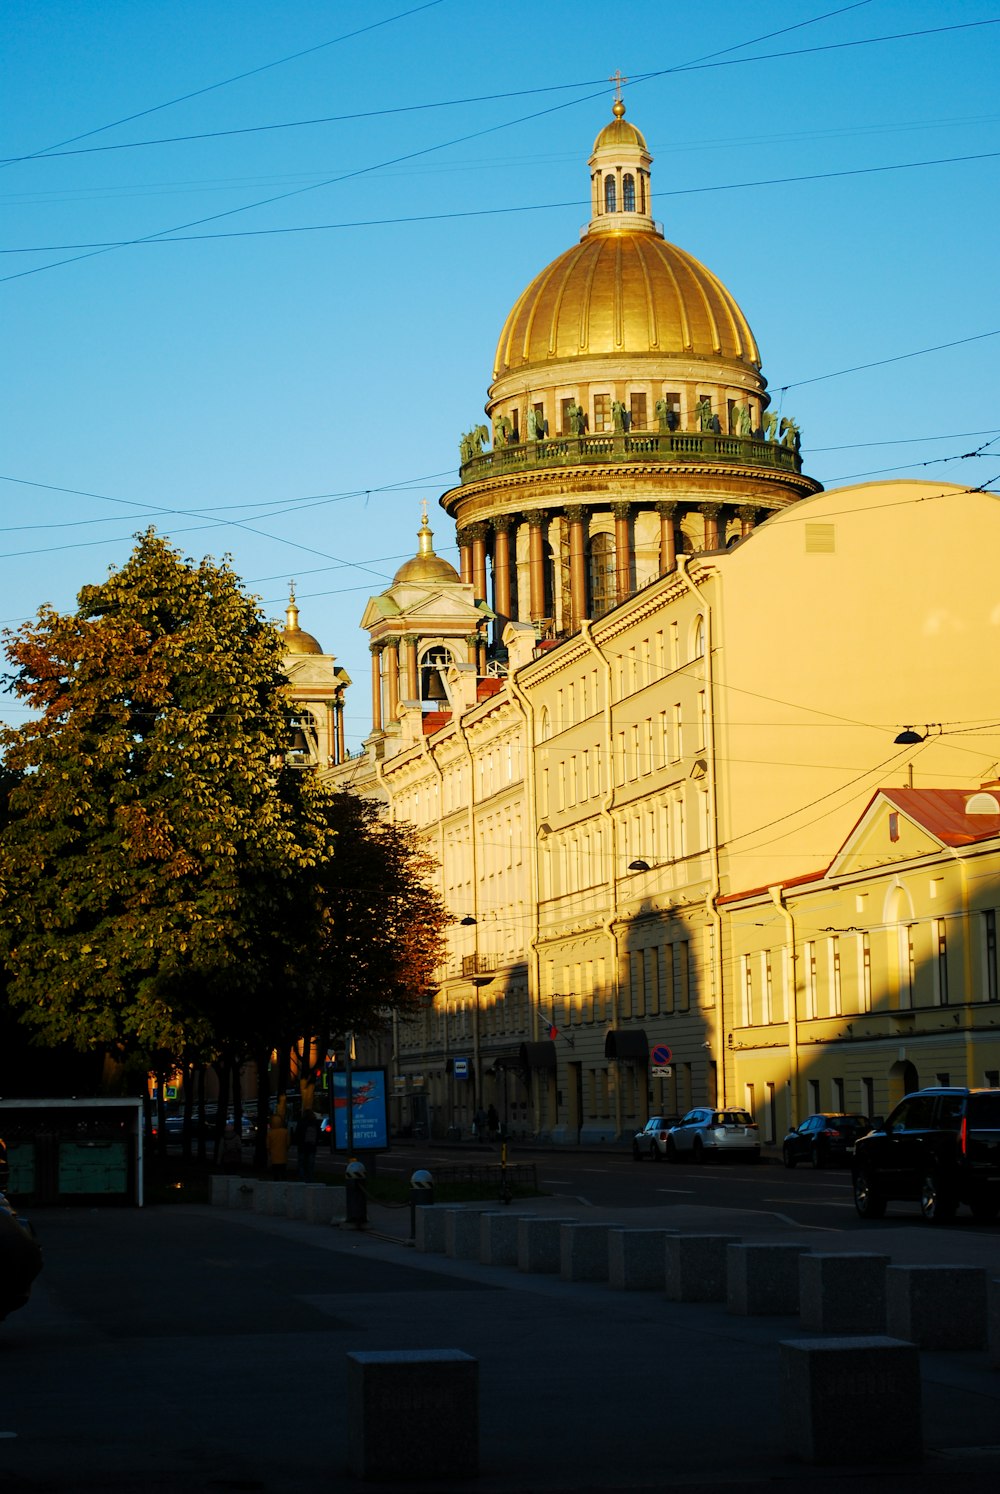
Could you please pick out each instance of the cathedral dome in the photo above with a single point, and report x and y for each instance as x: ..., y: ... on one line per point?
x: 296, y: 639
x: 624, y: 294
x: 425, y: 565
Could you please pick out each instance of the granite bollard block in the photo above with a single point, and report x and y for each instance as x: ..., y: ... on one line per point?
x: 324, y: 1205
x: 430, y: 1222
x: 538, y: 1244
x: 498, y: 1239
x: 241, y: 1191
x: 583, y: 1252
x: 763, y: 1279
x: 936, y: 1307
x: 842, y: 1294
x: 851, y: 1400
x: 461, y: 1234
x: 637, y: 1260
x: 295, y: 1200
x: 268, y: 1197
x: 413, y: 1414
x: 218, y: 1191
x: 695, y: 1267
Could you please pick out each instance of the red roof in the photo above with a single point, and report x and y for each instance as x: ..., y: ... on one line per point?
x: 943, y: 812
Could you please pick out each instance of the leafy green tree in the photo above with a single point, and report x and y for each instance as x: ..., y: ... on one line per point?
x: 150, y: 892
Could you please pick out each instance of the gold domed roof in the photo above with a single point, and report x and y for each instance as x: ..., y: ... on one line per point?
x: 624, y: 293
x: 619, y: 132
x: 425, y: 565
x: 296, y: 639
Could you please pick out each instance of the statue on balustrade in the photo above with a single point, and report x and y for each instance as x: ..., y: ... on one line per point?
x: 620, y: 417
x: 667, y: 417
x: 472, y: 443
x: 503, y: 432
x: 741, y: 423
x: 704, y: 418
x: 789, y: 433
x: 770, y: 426
x: 576, y: 419
x: 538, y: 426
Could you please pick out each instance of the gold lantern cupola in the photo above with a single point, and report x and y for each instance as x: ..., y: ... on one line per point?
x: 619, y: 176
x: 296, y: 639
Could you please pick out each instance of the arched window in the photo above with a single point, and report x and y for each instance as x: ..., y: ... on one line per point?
x: 544, y: 725
x: 628, y: 193
x: 698, y: 639
x: 603, y: 588
x: 610, y: 195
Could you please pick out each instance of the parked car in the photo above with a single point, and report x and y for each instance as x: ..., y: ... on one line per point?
x: 651, y: 1141
x: 706, y: 1134
x: 823, y: 1140
x: 4, y: 1168
x: 940, y: 1148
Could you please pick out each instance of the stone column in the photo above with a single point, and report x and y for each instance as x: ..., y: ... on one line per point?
x: 710, y: 512
x: 668, y: 536
x: 623, y: 550
x: 502, y: 525
x: 393, y: 677
x: 748, y: 518
x: 536, y: 555
x: 464, y: 541
x: 412, y: 678
x: 472, y: 649
x: 376, y: 649
x: 478, y: 533
x: 576, y: 518
x: 339, y: 752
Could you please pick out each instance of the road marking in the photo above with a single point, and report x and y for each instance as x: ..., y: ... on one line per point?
x: 594, y: 1169
x: 675, y: 1190
x: 562, y: 1182
x: 826, y: 1229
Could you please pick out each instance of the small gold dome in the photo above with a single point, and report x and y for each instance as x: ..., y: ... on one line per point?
x: 619, y: 132
x: 425, y: 565
x: 620, y: 294
x: 296, y: 639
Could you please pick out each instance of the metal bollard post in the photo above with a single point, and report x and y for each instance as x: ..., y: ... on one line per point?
x: 355, y: 1203
x: 421, y: 1193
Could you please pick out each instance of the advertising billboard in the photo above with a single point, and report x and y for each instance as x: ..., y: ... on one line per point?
x: 370, y: 1120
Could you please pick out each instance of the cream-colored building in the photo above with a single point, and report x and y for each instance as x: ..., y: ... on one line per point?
x: 670, y: 669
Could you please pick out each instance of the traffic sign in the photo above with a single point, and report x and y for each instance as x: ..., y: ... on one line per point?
x: 460, y: 1068
x: 664, y: 1072
x: 661, y: 1056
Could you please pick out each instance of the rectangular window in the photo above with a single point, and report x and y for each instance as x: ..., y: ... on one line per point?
x: 668, y: 978
x: 677, y: 734
x: 602, y: 412
x: 809, y: 978
x: 868, y: 1097
x: 637, y: 407
x: 990, y: 953
x: 770, y: 1114
x: 767, y: 987
x: 814, y: 1102
x: 746, y: 990
x: 683, y: 949
x: 653, y: 981
x: 838, y: 1096
x: 940, y: 937
x: 626, y: 988
x: 836, y: 994
x: 672, y: 400
x: 702, y: 719
x: 864, y: 973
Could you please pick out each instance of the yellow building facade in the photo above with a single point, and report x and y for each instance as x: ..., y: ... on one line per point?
x: 669, y: 669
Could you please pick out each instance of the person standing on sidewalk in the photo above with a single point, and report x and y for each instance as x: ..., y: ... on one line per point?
x: 277, y: 1146
x: 306, y: 1142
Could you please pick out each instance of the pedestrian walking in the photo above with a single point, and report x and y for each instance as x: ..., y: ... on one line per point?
x: 306, y: 1142
x: 277, y: 1147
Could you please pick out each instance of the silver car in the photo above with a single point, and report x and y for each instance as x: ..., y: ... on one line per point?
x: 651, y: 1141
x: 706, y: 1134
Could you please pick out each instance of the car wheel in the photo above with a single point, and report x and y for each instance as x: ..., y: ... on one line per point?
x: 936, y: 1204
x: 985, y: 1208
x: 786, y: 1155
x: 636, y: 1154
x: 671, y: 1150
x: 816, y: 1159
x: 698, y: 1152
x: 654, y: 1152
x: 868, y: 1197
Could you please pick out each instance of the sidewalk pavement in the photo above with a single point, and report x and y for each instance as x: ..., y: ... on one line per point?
x: 198, y: 1349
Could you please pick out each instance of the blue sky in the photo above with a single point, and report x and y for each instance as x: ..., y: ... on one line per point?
x: 285, y: 384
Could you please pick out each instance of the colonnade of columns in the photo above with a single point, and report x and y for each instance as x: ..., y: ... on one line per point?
x: 396, y: 672
x: 476, y: 551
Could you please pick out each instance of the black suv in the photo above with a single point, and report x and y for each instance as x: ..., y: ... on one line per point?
x: 940, y: 1147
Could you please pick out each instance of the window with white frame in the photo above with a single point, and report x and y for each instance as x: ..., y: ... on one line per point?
x: 809, y: 979
x: 939, y: 936
x: 989, y: 925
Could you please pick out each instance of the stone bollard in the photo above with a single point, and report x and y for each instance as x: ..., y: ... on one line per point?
x: 538, y: 1247
x: 218, y: 1191
x: 324, y: 1204
x: 461, y: 1234
x: 241, y: 1191
x: 498, y: 1239
x: 763, y: 1279
x: 430, y: 1239
x: 413, y: 1414
x: 583, y: 1252
x: 269, y: 1198
x: 937, y: 1307
x: 842, y: 1293
x: 637, y: 1259
x: 695, y: 1267
x: 295, y: 1200
x: 851, y: 1400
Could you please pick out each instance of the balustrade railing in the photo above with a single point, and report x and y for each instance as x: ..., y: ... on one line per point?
x: 637, y: 446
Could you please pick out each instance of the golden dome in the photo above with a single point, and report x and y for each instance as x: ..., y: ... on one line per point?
x: 425, y: 565
x: 618, y: 133
x: 624, y: 294
x: 296, y: 639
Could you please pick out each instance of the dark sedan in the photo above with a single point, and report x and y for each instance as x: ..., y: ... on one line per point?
x: 824, y: 1140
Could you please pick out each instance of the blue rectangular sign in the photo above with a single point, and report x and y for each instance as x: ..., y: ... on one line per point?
x: 368, y: 1107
